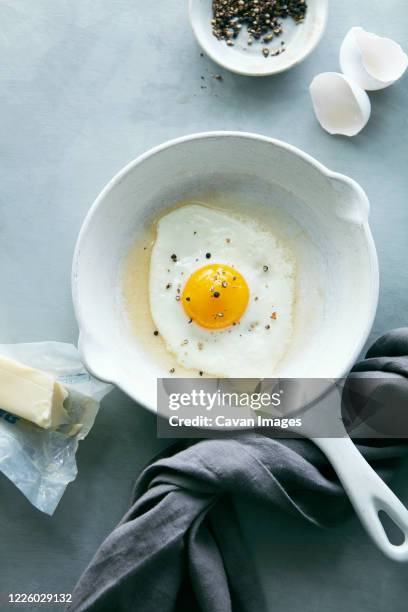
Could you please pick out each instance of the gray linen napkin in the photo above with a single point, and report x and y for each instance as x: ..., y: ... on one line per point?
x: 179, y: 547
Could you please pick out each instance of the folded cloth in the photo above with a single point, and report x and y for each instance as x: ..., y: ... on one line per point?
x: 180, y: 547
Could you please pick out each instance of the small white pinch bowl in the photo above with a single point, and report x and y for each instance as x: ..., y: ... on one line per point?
x: 300, y: 40
x: 372, y: 61
x: 323, y: 215
x: 341, y: 106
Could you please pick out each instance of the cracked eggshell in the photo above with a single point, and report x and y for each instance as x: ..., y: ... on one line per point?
x: 372, y: 61
x: 340, y: 105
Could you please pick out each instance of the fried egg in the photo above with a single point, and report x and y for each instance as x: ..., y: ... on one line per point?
x: 222, y: 292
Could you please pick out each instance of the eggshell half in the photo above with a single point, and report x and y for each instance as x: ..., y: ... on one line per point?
x: 371, y: 61
x: 340, y: 105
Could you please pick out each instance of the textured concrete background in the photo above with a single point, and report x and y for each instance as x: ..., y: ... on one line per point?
x: 87, y: 85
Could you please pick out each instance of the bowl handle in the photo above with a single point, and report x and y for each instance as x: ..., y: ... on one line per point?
x: 95, y: 358
x: 368, y: 494
x: 352, y: 202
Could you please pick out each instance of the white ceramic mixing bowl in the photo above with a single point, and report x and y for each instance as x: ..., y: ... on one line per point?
x: 323, y: 215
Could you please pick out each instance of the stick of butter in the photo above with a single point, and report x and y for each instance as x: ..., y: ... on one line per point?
x: 31, y: 394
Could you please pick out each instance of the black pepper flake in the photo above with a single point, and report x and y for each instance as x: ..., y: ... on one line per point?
x: 262, y: 18
x: 168, y: 285
x: 172, y: 371
x: 188, y: 299
x: 265, y: 268
x: 267, y: 327
x: 156, y: 333
x: 216, y: 294
x: 173, y: 257
x: 208, y: 255
x: 177, y: 298
x: 201, y: 373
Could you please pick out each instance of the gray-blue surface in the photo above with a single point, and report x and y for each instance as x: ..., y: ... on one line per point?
x: 86, y: 85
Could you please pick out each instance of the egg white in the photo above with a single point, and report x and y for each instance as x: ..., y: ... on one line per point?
x: 255, y: 346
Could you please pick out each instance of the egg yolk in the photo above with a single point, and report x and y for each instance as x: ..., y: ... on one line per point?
x: 215, y: 296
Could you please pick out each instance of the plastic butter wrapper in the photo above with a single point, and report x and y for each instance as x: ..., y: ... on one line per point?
x: 41, y: 462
